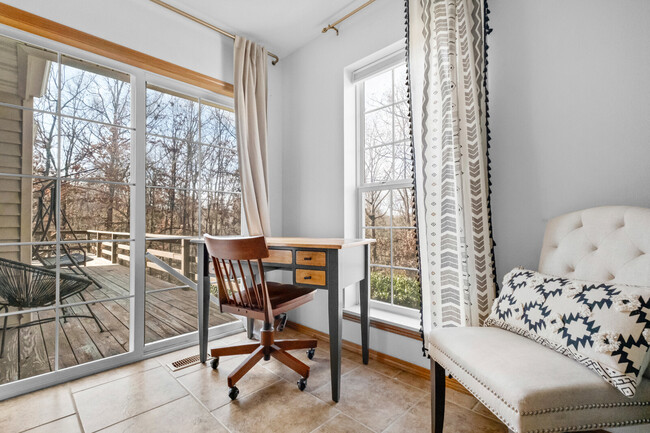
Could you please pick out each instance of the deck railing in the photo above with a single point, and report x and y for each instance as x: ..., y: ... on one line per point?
x: 115, y: 251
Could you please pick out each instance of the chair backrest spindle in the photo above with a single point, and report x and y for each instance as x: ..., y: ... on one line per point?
x: 235, y: 283
x: 268, y: 310
x: 254, y: 284
x: 223, y: 295
x: 246, y: 290
x: 225, y: 250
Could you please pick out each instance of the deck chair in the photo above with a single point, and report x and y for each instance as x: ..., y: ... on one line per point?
x: 26, y: 287
x: 72, y: 256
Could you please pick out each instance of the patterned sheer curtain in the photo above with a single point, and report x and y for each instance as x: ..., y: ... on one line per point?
x: 446, y: 48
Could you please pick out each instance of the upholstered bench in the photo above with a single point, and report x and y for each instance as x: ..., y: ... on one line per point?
x: 530, y: 387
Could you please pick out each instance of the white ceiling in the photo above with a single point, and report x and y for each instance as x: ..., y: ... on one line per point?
x: 281, y: 25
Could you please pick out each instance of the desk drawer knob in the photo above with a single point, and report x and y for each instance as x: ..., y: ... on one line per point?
x: 307, y: 259
x: 308, y: 277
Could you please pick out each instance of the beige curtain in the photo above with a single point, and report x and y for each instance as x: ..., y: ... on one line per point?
x: 251, y: 119
x: 447, y: 66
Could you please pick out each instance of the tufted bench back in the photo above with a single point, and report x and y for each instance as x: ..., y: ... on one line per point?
x: 610, y: 243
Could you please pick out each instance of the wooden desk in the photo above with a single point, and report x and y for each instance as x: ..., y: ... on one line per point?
x: 322, y: 263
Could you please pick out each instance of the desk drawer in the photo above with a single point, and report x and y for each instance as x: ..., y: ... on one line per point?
x: 311, y: 277
x: 279, y: 256
x: 311, y: 258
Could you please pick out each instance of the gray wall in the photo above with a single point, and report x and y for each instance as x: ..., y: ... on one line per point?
x: 569, y: 86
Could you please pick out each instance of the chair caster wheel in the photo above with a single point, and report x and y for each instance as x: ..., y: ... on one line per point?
x: 233, y: 392
x: 302, y: 384
x: 310, y: 353
x: 214, y: 363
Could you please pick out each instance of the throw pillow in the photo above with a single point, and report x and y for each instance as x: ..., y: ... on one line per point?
x: 604, y: 326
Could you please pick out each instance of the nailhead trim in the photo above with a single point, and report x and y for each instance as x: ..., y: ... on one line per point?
x: 592, y: 426
x: 587, y: 406
x: 543, y: 411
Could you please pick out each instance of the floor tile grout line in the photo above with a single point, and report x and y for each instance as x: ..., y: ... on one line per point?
x: 328, y: 420
x: 141, y: 413
x: 74, y: 405
x: 329, y: 382
x: 360, y: 422
x: 280, y: 379
x: 220, y: 423
x: 338, y: 412
x: 200, y: 403
x: 109, y: 381
x: 405, y: 413
x: 392, y: 379
x: 411, y: 386
x: 51, y: 421
x: 148, y: 410
x: 399, y: 370
x: 76, y: 411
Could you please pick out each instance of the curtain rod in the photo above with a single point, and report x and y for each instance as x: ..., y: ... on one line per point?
x: 275, y: 60
x: 339, y: 21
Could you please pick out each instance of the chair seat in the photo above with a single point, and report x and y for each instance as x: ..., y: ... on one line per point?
x: 282, y: 294
x: 283, y: 297
x: 532, y: 388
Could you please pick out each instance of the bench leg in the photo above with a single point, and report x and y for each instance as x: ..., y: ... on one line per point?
x: 437, y: 397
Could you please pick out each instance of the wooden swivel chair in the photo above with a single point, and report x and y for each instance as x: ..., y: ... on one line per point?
x: 231, y: 257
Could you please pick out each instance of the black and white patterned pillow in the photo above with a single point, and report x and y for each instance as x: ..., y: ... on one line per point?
x: 605, y: 327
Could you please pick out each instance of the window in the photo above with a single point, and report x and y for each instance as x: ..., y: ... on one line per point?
x: 386, y: 188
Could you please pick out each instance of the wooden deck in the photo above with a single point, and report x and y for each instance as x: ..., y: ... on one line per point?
x: 168, y: 314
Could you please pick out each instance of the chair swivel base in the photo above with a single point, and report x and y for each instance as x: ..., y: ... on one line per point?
x: 265, y: 349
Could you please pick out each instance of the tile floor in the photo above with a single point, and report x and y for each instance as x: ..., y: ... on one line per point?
x: 148, y: 397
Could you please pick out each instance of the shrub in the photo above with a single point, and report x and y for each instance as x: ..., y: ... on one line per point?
x: 406, y: 290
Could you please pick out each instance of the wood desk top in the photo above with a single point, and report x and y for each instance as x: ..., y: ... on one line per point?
x: 326, y: 243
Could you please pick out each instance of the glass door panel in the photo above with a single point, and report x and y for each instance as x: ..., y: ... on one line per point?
x: 65, y: 241
x: 192, y: 187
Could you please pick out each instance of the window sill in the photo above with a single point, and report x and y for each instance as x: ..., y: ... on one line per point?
x: 386, y: 321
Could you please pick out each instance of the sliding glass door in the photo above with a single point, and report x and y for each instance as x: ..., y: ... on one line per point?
x: 104, y: 179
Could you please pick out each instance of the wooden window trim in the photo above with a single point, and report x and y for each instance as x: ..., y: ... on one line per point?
x: 43, y: 27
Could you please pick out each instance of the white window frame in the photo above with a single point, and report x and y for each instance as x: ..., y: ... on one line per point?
x: 137, y: 348
x: 359, y: 77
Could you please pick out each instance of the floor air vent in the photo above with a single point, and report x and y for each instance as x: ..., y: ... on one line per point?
x: 184, y: 363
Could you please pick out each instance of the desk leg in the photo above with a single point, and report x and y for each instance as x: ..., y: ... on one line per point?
x: 203, y: 296
x: 364, y: 294
x: 335, y: 308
